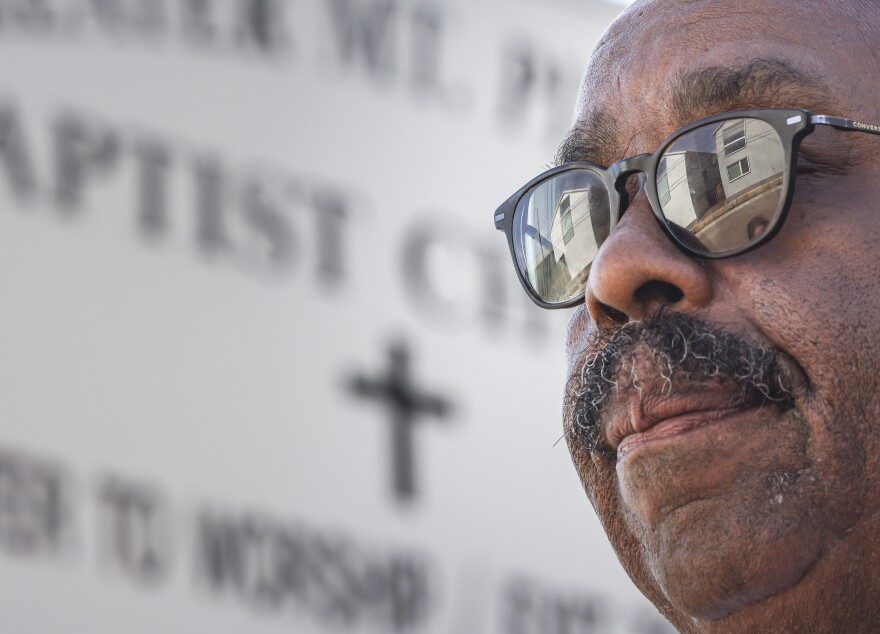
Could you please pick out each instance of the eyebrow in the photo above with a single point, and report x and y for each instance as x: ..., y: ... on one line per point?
x: 760, y: 83
x: 592, y: 140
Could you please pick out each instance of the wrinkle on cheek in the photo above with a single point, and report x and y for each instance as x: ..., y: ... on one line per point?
x: 599, y: 480
x: 598, y: 475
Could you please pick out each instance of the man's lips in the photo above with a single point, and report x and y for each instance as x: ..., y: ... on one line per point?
x: 655, y: 417
x: 673, y: 426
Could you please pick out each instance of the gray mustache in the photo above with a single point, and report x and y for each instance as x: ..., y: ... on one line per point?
x: 663, y: 352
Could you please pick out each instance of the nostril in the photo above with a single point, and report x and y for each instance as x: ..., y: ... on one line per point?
x: 611, y: 316
x: 658, y: 293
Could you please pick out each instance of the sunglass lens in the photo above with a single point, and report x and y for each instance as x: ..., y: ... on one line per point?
x: 558, y: 228
x: 720, y: 185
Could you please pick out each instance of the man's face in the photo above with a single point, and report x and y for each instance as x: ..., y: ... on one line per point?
x: 730, y: 512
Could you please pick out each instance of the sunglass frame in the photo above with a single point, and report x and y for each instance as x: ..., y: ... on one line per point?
x: 792, y: 125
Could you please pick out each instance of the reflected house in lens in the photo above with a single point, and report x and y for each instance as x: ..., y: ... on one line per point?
x: 722, y: 182
x: 557, y: 267
x: 559, y: 236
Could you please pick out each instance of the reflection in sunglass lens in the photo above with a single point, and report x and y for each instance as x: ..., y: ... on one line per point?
x: 720, y: 185
x: 558, y: 227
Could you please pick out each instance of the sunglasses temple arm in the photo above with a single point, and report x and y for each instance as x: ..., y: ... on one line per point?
x: 846, y: 125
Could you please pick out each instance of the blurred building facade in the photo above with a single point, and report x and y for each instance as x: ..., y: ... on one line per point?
x: 265, y: 365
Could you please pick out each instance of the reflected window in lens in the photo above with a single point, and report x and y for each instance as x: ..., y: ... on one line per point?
x: 663, y: 188
x: 738, y: 169
x: 734, y: 138
x: 567, y: 225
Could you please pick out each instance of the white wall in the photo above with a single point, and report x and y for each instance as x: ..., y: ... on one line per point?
x: 210, y: 225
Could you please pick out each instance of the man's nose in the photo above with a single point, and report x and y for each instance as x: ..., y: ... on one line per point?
x: 639, y: 270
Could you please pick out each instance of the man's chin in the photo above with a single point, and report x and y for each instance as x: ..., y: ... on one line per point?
x: 711, y: 564
x: 725, y: 512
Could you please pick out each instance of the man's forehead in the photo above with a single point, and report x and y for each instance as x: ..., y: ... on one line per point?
x: 668, y: 62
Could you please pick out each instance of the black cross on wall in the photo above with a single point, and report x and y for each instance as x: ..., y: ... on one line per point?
x: 405, y: 403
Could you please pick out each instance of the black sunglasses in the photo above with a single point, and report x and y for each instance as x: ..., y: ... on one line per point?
x: 719, y: 186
